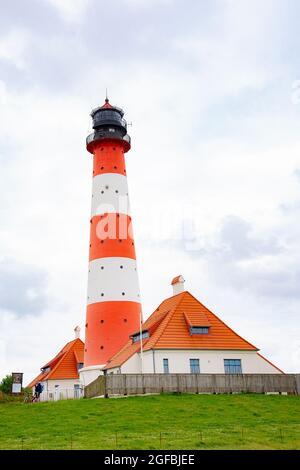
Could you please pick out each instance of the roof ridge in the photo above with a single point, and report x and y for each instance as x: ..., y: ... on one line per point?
x: 63, y: 350
x: 187, y: 319
x: 64, y: 354
x: 158, y: 322
x: 165, y: 300
x: 200, y: 314
x: 56, y: 366
x: 252, y: 345
x: 68, y: 349
x: 168, y: 317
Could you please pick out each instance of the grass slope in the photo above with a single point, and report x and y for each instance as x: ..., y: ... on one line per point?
x: 154, y: 422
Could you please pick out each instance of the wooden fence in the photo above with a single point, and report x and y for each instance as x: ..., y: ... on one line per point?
x: 139, y: 384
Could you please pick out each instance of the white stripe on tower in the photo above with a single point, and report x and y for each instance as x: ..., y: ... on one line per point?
x: 110, y: 194
x: 124, y: 286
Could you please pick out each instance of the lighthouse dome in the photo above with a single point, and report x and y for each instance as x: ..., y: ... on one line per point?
x: 108, y: 123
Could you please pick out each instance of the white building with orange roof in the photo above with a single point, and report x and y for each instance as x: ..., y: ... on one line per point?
x: 184, y: 336
x: 60, y: 376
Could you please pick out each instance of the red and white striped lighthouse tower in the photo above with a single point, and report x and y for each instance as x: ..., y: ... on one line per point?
x: 113, y: 298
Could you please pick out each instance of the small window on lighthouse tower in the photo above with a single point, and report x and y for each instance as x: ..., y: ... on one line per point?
x: 111, y: 129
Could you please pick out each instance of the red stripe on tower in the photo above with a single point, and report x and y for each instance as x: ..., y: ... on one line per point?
x: 113, y: 299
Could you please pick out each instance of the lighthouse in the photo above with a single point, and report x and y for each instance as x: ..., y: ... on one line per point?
x: 113, y: 296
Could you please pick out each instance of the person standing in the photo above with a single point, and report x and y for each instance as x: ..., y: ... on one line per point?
x: 37, y: 391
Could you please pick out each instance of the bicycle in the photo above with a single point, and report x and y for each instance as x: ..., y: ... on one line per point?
x: 28, y: 398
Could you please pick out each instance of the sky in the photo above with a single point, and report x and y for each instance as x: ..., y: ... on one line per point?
x: 212, y: 89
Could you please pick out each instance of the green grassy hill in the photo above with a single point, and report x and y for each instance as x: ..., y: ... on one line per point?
x: 154, y: 422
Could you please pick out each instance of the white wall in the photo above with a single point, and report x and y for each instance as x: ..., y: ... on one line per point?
x: 211, y: 362
x: 59, y: 389
x: 116, y: 370
x: 89, y: 374
x: 132, y: 366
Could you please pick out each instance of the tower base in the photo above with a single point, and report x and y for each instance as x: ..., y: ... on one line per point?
x: 89, y: 374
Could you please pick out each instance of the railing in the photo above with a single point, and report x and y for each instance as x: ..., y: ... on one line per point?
x: 109, y: 120
x: 105, y: 135
x: 61, y: 394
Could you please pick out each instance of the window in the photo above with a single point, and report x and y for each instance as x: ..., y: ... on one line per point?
x: 166, y: 366
x: 79, y: 365
x: 105, y: 114
x: 199, y: 330
x: 195, y: 366
x: 232, y: 366
x: 137, y: 337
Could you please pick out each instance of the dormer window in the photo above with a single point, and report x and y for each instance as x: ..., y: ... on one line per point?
x: 138, y: 336
x: 199, y: 330
x: 197, y: 323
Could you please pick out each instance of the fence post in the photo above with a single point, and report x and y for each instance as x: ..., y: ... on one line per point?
x: 125, y: 385
x: 105, y: 386
x: 281, y: 436
x: 297, y: 384
x: 178, y: 384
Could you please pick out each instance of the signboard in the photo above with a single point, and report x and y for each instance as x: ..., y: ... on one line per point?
x: 17, y: 380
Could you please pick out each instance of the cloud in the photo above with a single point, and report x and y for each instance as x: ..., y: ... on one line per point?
x: 13, y: 46
x: 264, y: 264
x: 297, y: 173
x: 36, y: 17
x: 238, y: 243
x: 71, y: 10
x: 22, y: 288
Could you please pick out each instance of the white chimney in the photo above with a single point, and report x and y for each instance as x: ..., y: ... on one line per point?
x: 77, y: 332
x: 178, y: 285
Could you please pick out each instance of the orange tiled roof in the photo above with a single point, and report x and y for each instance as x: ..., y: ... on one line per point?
x: 79, y: 354
x: 169, y: 329
x: 196, y: 318
x: 64, y: 364
x: 39, y: 378
x: 123, y: 355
